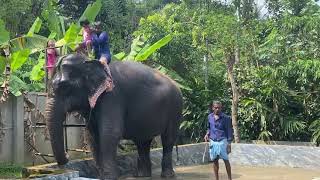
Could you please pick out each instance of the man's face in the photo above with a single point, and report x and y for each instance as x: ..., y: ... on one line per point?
x: 216, y: 108
x: 98, y: 28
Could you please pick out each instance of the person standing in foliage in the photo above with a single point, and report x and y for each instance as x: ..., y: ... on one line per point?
x: 52, y: 55
x: 220, y: 136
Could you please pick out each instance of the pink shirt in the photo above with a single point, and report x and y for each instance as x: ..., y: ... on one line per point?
x: 51, y: 57
x: 87, y: 34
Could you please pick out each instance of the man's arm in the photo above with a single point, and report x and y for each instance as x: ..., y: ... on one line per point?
x: 103, y: 38
x: 206, y: 137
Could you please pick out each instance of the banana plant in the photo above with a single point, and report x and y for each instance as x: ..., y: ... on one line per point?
x: 4, y: 38
x: 141, y: 50
x: 32, y: 43
x: 91, y: 11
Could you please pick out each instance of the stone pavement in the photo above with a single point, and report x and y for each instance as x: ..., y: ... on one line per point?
x: 253, y: 158
x: 205, y: 172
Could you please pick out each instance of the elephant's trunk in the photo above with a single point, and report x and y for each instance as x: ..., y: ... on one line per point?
x: 55, y: 115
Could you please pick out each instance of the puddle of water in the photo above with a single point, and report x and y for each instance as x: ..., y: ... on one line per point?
x: 205, y: 172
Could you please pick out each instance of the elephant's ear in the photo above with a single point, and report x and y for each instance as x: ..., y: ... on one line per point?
x: 98, y: 79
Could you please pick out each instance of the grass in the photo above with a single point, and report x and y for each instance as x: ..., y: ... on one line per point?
x: 8, y: 171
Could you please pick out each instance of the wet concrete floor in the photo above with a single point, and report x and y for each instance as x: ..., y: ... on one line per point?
x: 205, y: 172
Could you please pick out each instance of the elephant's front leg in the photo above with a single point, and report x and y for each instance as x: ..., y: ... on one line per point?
x: 108, y: 153
x: 109, y: 117
x: 144, y: 162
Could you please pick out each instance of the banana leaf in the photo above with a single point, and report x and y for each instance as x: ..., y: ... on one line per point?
x: 37, y: 72
x: 35, y: 28
x: 16, y: 85
x: 146, y: 52
x: 91, y: 11
x: 35, y: 43
x: 19, y: 58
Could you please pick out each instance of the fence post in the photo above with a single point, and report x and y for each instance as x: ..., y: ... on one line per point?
x: 18, y: 130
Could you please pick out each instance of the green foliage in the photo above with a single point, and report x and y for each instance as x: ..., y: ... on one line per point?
x: 148, y: 50
x: 136, y: 47
x: 92, y: 11
x: 278, y: 73
x: 14, y: 12
x: 120, y: 56
x: 72, y: 33
x: 16, y: 85
x: 19, y: 58
x: 315, y: 128
x: 2, y: 64
x: 4, y: 34
x: 37, y: 72
x: 35, y: 43
x: 10, y: 171
x: 141, y: 50
x: 53, y: 20
x: 25, y: 71
x: 173, y: 75
x: 35, y: 28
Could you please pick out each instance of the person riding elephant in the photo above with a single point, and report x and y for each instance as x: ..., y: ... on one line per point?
x: 100, y: 42
x: 142, y: 104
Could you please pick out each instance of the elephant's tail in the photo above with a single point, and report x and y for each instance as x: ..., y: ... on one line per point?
x: 177, y: 151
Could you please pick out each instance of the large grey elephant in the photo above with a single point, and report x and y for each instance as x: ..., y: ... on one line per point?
x: 142, y: 104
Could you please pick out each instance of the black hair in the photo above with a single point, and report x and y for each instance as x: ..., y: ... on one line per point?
x: 216, y: 102
x: 84, y: 22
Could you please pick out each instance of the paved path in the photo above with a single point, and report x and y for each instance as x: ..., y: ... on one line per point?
x: 204, y: 172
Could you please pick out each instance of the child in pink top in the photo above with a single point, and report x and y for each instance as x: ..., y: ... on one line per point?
x: 52, y: 55
x: 87, y: 35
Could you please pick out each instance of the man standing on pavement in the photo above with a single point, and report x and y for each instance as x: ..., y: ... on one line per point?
x: 220, y: 136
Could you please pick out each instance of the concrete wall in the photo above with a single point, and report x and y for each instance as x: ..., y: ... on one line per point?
x: 11, y: 130
x: 15, y: 136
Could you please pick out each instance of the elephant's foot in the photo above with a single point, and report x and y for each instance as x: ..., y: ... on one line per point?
x: 167, y: 173
x: 108, y: 176
x: 143, y: 173
x: 144, y: 170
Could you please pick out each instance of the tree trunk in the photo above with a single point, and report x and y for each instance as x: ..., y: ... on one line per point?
x: 230, y: 61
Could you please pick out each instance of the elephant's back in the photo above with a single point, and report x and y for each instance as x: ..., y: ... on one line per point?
x: 153, y: 100
x: 135, y: 75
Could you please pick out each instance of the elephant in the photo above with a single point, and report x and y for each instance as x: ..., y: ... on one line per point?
x: 141, y: 104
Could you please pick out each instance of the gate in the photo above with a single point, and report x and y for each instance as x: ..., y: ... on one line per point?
x: 24, y: 137
x: 74, y: 131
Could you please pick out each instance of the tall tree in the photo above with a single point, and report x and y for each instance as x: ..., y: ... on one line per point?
x: 19, y: 15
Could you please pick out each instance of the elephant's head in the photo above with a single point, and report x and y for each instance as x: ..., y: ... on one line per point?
x: 75, y: 82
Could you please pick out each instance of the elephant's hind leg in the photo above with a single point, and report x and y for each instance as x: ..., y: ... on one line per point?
x: 167, y: 144
x: 144, y: 162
